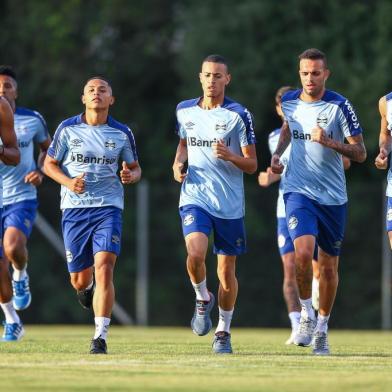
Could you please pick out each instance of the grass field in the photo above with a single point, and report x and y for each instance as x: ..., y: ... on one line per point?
x: 54, y: 358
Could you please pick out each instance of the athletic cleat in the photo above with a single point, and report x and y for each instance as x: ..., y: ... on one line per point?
x: 315, y: 294
x: 85, y: 297
x: 22, y: 296
x: 98, y: 346
x: 201, y: 322
x: 12, y: 332
x: 222, y: 343
x: 304, y: 335
x: 320, y: 344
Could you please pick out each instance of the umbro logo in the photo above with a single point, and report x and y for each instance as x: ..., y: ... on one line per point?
x: 189, y: 125
x: 76, y: 142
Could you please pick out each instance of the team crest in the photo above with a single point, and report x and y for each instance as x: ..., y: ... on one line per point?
x: 188, y: 219
x: 68, y: 256
x: 322, y: 120
x: 389, y: 214
x: 110, y: 144
x: 221, y: 127
x: 281, y: 240
x: 293, y: 222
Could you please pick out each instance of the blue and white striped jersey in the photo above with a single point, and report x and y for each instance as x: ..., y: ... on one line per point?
x: 95, y: 151
x: 30, y: 128
x: 212, y: 183
x: 314, y: 170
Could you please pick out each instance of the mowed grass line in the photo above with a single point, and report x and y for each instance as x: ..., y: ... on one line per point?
x: 55, y: 358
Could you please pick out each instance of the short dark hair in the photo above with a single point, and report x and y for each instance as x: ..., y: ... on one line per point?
x: 280, y: 92
x: 216, y: 58
x: 8, y: 71
x: 100, y: 78
x: 313, y: 54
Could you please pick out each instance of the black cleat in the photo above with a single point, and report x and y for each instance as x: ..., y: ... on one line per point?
x: 98, y: 346
x: 85, y: 297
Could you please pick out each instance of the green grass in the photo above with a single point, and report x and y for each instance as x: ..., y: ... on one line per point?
x: 54, y: 358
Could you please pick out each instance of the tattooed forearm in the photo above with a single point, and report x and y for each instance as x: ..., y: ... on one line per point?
x: 355, y: 152
x: 284, y: 139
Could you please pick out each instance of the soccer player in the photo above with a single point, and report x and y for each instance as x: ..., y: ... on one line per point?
x: 381, y: 161
x: 9, y: 155
x: 217, y: 141
x: 315, y: 190
x: 19, y: 187
x: 286, y: 246
x: 84, y: 158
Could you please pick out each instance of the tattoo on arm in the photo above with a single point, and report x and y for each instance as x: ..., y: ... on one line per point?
x: 284, y: 139
x: 354, y: 151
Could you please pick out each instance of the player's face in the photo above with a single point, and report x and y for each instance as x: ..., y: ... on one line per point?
x: 214, y: 79
x: 313, y: 76
x: 8, y: 89
x: 97, y: 94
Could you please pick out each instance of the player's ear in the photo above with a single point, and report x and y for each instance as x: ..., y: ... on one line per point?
x: 327, y: 73
x: 112, y: 100
x: 228, y: 79
x: 200, y: 75
x: 83, y: 99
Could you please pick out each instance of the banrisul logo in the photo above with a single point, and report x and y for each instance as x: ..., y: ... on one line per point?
x: 307, y: 136
x: 196, y: 142
x: 80, y: 158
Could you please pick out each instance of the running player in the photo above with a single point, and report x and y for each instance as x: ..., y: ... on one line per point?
x: 217, y: 140
x: 84, y: 158
x: 315, y: 189
x: 286, y: 246
x: 9, y: 155
x: 381, y: 161
x: 19, y: 187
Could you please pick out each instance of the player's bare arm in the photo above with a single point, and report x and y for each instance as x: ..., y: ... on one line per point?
x: 35, y: 177
x: 385, y: 139
x: 130, y: 173
x: 268, y: 177
x: 355, y: 149
x: 247, y: 162
x: 9, y: 151
x: 53, y: 170
x: 283, y: 143
x: 179, y: 161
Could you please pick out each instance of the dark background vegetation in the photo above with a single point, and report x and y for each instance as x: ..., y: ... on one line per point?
x: 151, y: 51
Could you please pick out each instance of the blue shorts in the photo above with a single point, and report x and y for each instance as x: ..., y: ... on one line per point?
x: 285, y: 243
x: 307, y: 217
x: 87, y: 231
x: 388, y: 217
x: 20, y: 215
x: 229, y: 234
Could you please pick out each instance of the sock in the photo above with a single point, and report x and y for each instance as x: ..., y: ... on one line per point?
x: 322, y: 323
x: 315, y: 285
x: 19, y: 274
x: 307, y: 309
x: 201, y: 291
x: 225, y: 317
x: 10, y: 314
x: 101, y: 327
x: 294, y: 318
